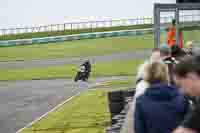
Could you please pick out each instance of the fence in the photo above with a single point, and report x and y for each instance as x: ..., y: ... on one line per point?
x: 95, y: 24
x: 77, y: 26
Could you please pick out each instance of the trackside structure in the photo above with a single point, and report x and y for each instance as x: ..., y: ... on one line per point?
x: 176, y: 9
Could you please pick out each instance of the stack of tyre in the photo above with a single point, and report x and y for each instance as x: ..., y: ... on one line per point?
x: 118, y: 106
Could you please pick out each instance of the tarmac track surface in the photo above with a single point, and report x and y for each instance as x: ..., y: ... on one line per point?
x: 140, y: 54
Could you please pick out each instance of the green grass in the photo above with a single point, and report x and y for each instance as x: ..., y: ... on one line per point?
x: 69, y: 32
x: 82, y: 115
x: 127, y: 83
x: 191, y: 35
x: 117, y: 68
x: 79, y: 48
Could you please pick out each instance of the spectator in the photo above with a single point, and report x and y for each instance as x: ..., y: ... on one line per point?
x: 141, y: 85
x: 171, y: 35
x: 155, y: 56
x: 165, y: 53
x: 162, y: 107
x: 187, y: 75
x: 189, y: 48
x: 177, y: 53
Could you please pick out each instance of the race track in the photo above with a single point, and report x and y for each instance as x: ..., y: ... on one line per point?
x: 24, y: 101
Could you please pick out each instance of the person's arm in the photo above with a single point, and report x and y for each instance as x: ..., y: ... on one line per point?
x: 192, y: 120
x: 139, y: 119
x: 191, y: 124
x: 140, y: 88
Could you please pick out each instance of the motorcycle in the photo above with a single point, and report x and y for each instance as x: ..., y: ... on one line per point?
x: 81, y: 74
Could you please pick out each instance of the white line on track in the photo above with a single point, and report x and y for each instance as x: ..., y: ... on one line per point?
x: 52, y: 110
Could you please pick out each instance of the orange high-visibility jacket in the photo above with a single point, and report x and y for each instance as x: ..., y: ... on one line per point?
x: 171, y: 37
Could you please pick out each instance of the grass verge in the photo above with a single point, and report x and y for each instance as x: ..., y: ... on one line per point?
x: 79, y: 48
x: 116, y: 68
x: 81, y: 115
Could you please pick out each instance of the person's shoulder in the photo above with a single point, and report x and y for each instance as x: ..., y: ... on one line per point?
x: 141, y: 88
x: 141, y: 99
x: 143, y: 102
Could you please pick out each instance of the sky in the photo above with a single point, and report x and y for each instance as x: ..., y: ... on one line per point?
x: 22, y: 13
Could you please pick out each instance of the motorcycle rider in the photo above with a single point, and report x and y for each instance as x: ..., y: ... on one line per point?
x: 87, y: 66
x: 84, y: 71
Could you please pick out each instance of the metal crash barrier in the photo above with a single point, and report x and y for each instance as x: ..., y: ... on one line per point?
x: 76, y: 37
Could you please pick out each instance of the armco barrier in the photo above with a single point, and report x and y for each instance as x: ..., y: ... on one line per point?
x: 76, y: 37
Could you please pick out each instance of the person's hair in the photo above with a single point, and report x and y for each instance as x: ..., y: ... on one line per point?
x: 165, y: 53
x: 155, y: 50
x: 165, y: 49
x: 175, y: 50
x: 189, y: 44
x: 155, y: 55
x: 156, y: 71
x: 188, y: 64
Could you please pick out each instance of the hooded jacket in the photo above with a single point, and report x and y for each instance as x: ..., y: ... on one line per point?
x: 160, y: 110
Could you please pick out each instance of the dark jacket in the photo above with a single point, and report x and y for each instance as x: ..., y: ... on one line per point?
x: 160, y: 110
x: 192, y: 119
x: 177, y: 52
x: 170, y: 62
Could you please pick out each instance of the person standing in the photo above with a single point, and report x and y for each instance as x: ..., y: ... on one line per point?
x: 162, y: 107
x: 187, y: 76
x: 171, y: 35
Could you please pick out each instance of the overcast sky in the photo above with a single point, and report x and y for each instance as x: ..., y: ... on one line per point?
x: 20, y: 13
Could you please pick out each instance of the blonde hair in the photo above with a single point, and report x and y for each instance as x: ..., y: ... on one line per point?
x: 155, y: 56
x: 156, y: 71
x: 189, y: 44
